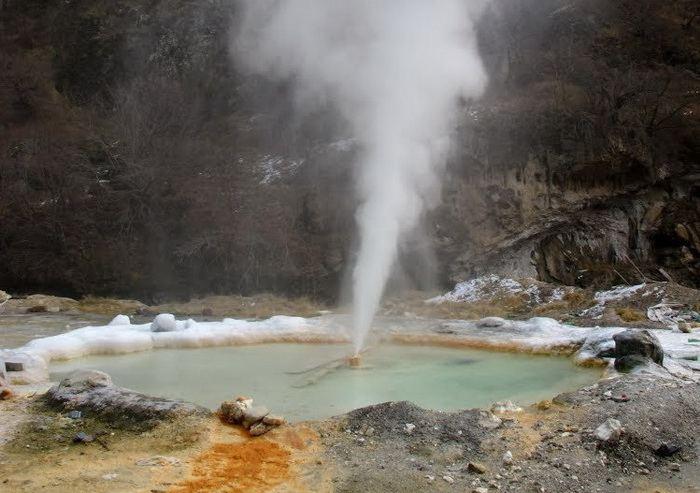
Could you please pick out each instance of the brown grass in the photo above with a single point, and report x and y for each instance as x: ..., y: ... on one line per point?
x: 631, y: 314
x: 258, y: 306
x: 109, y: 306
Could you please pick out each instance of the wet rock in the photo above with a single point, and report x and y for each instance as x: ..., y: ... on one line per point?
x: 667, y: 449
x: 476, y: 468
x: 609, y: 432
x: 638, y: 342
x: 626, y: 364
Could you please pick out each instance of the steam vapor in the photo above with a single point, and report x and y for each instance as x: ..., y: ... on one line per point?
x: 395, y: 69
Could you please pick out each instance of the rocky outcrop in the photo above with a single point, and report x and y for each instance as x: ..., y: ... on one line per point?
x: 92, y: 392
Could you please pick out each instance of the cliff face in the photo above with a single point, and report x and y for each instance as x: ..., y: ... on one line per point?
x: 136, y: 160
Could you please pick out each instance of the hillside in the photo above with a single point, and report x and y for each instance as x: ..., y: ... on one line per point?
x: 137, y: 160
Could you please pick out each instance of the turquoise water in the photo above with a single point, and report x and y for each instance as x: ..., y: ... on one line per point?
x: 432, y: 377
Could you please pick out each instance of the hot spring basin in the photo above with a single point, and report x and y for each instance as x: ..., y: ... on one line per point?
x: 432, y: 377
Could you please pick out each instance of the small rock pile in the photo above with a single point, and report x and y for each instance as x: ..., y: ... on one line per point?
x: 256, y: 419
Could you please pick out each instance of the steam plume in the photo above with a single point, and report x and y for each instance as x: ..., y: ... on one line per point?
x: 395, y: 69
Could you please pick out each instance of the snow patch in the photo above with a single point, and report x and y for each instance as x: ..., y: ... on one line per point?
x: 273, y: 168
x: 493, y: 287
x: 615, y: 294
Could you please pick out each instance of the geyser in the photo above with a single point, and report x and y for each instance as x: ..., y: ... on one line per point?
x: 396, y: 70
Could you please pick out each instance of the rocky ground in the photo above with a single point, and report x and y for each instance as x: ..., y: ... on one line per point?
x: 633, y: 431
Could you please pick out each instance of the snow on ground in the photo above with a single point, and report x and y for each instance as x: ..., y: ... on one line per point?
x: 120, y: 337
x: 615, y: 294
x: 493, y: 287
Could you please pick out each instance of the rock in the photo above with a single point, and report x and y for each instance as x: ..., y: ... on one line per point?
x: 159, y: 460
x: 6, y: 394
x: 207, y: 312
x: 639, y: 342
x: 120, y: 320
x: 83, y: 437
x: 490, y: 322
x: 14, y: 366
x: 489, y: 421
x: 667, y: 450
x: 505, y: 407
x: 674, y: 466
x: 480, y: 489
x: 232, y: 412
x: 409, y: 427
x: 508, y: 458
x: 165, y: 322
x: 93, y: 391
x: 89, y: 378
x: 626, y: 364
x: 609, y: 432
x: 260, y: 428
x: 254, y: 415
x: 109, y: 476
x: 273, y: 420
x: 74, y: 415
x: 449, y: 479
x: 475, y: 467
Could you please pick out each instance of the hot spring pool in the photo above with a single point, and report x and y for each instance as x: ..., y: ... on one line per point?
x: 432, y: 377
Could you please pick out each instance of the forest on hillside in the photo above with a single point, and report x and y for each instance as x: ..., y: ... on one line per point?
x: 137, y: 160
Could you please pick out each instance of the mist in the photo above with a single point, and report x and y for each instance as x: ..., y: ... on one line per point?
x: 395, y: 70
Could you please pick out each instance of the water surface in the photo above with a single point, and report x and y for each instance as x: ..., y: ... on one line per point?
x: 432, y: 377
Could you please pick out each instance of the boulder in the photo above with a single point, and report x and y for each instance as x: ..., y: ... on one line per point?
x: 92, y: 393
x: 638, y: 342
x: 628, y: 363
x: 609, y: 432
